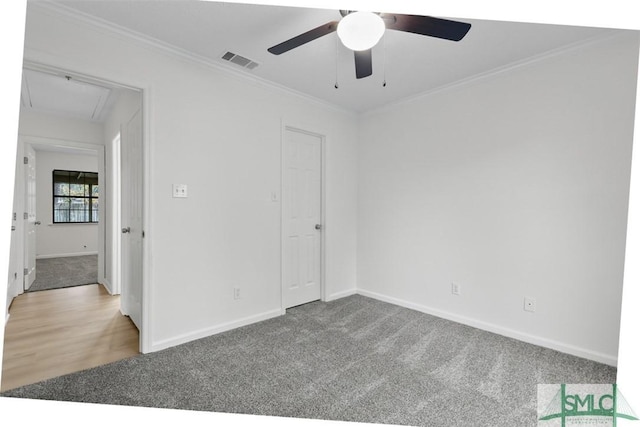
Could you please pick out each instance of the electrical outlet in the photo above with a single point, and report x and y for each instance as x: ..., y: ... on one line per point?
x: 236, y: 293
x: 455, y: 288
x: 530, y: 304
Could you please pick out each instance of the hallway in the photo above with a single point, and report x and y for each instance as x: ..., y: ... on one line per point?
x: 56, y: 332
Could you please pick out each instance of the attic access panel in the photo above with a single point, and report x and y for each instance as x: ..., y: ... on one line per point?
x: 62, y: 95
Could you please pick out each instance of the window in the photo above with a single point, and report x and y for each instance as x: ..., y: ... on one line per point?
x: 75, y: 197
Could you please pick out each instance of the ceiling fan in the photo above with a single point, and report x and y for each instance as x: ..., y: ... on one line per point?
x: 361, y: 31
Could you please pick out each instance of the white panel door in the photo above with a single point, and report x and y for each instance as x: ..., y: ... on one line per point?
x: 30, y: 217
x: 301, y: 217
x: 15, y: 280
x: 131, y: 218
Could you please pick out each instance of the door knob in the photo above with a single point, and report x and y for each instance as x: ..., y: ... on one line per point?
x: 37, y: 223
x: 318, y: 227
x: 126, y: 230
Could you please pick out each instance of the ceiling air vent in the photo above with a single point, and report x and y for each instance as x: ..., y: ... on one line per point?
x: 240, y: 60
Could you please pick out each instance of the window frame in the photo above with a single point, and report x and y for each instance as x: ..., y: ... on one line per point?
x: 92, y: 212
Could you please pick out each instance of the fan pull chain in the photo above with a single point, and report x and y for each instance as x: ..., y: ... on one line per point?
x: 384, y: 60
x: 336, y: 85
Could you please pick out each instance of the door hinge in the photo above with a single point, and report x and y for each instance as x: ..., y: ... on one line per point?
x: 15, y: 216
x: 143, y: 234
x: 26, y: 271
x: 26, y: 160
x: 26, y: 215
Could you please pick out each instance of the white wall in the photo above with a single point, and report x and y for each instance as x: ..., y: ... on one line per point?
x: 512, y: 185
x: 220, y: 134
x: 40, y: 124
x: 54, y: 240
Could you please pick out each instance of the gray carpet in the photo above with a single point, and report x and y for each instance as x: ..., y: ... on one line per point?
x: 354, y: 359
x: 64, y: 272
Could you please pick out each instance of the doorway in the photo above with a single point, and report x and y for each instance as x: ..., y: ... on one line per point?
x: 62, y: 215
x: 302, y: 217
x: 116, y: 106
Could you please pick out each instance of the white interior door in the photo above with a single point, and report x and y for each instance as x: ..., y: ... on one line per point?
x: 30, y: 217
x: 13, y: 259
x: 131, y: 218
x: 301, y: 217
x: 15, y: 285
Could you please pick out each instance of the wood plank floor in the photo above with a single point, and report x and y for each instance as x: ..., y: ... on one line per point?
x: 56, y: 332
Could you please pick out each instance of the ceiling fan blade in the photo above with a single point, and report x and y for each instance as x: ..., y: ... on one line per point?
x: 427, y: 26
x: 303, y: 38
x: 364, y: 66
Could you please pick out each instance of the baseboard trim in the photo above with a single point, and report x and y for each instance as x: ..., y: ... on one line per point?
x: 224, y: 327
x: 66, y: 255
x: 107, y: 285
x: 342, y: 294
x: 500, y: 330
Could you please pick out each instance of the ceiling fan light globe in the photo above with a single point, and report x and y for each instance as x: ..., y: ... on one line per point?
x: 361, y: 30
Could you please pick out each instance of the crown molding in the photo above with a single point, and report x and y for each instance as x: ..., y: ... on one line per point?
x: 523, y: 63
x: 148, y: 42
x: 159, y: 46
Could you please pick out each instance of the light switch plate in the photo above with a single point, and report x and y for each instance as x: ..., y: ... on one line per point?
x: 180, y: 190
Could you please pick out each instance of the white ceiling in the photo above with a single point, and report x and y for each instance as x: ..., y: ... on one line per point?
x: 63, y: 95
x: 412, y: 64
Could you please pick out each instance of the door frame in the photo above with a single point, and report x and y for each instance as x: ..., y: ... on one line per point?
x: 114, y: 209
x: 306, y: 129
x: 28, y: 263
x: 144, y: 87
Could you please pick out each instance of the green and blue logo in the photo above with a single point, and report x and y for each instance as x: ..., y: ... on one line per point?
x: 582, y: 405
